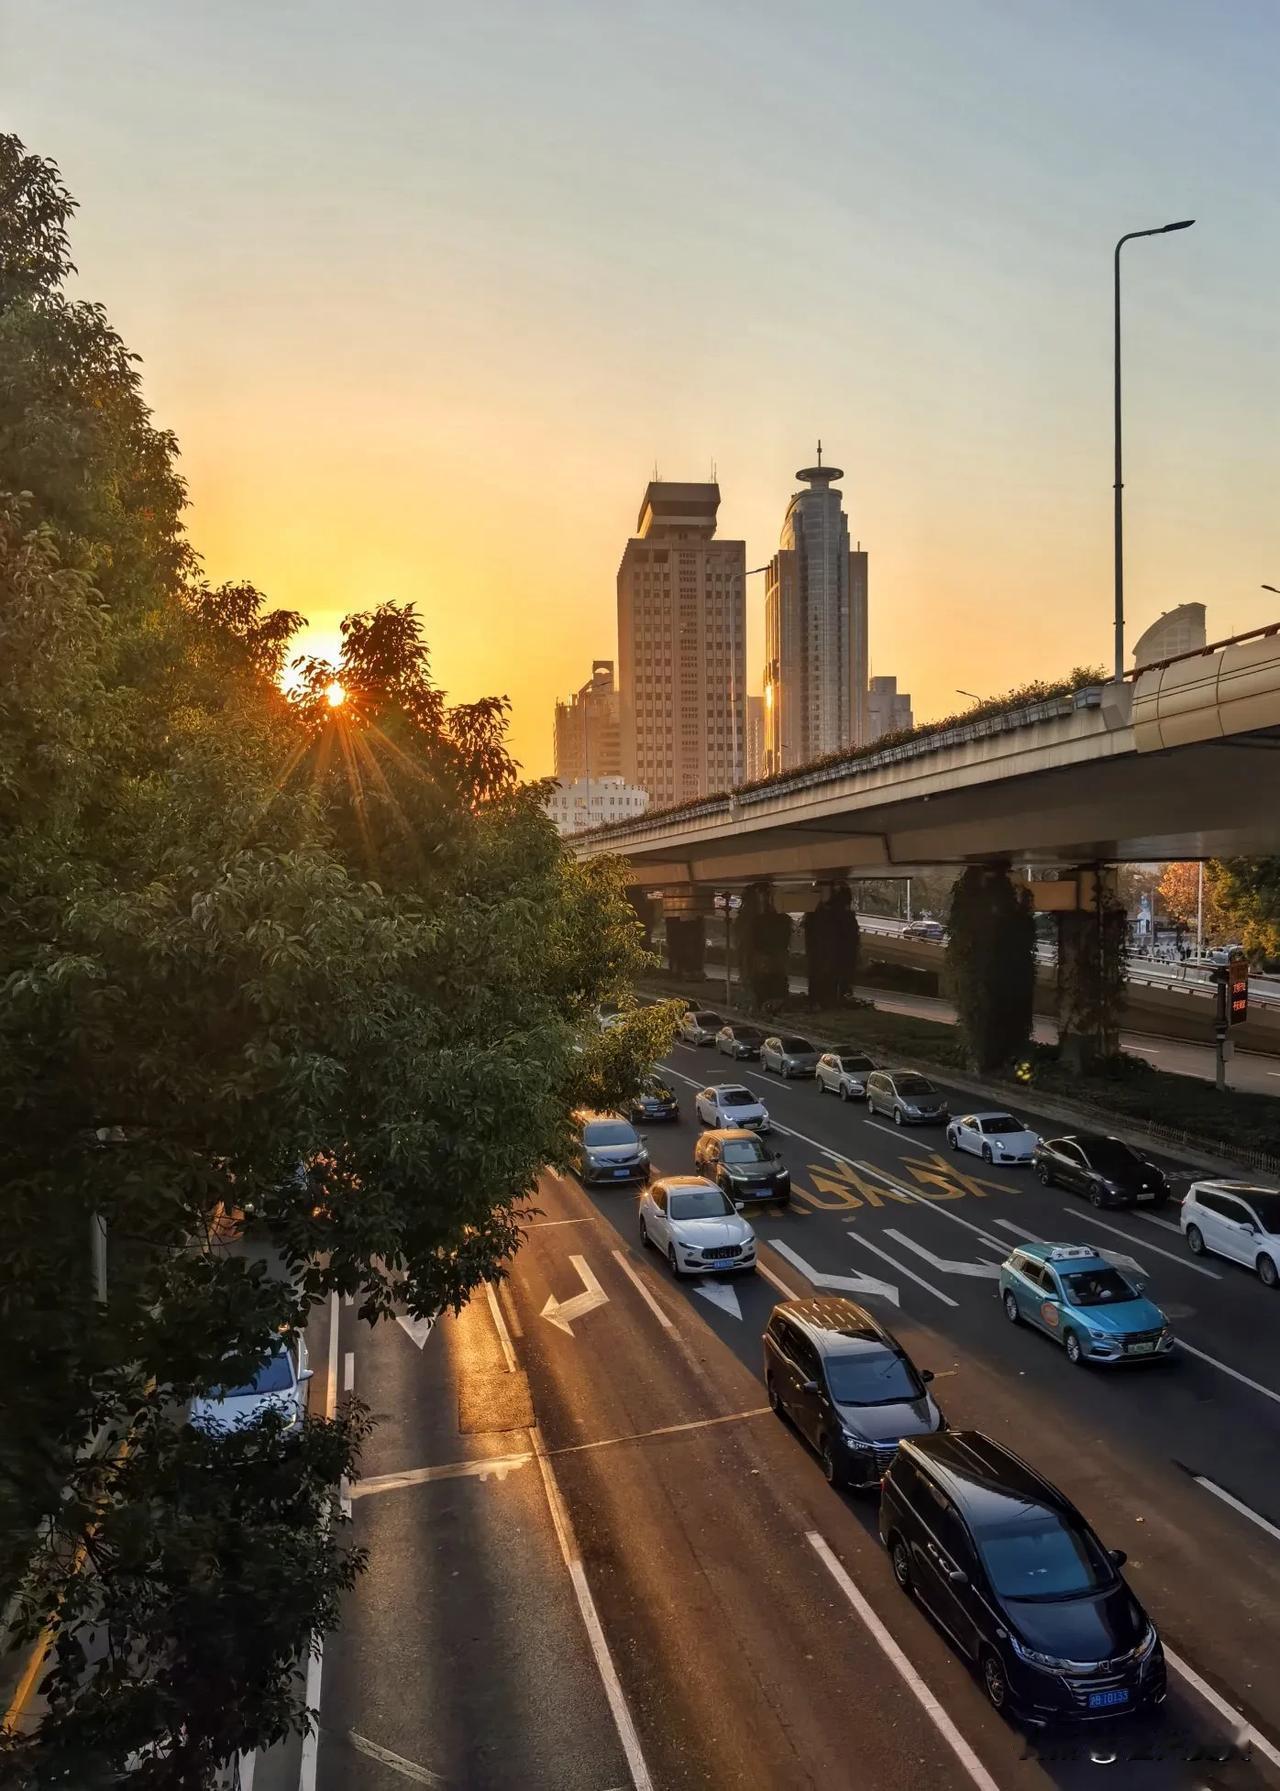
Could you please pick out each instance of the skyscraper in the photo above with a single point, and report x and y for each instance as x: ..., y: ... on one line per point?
x: 888, y: 708
x: 681, y: 647
x: 815, y: 621
x: 754, y: 760
x: 588, y: 739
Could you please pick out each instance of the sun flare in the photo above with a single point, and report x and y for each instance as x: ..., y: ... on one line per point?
x: 336, y: 694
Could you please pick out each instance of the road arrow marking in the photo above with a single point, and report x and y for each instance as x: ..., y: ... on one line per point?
x: 984, y: 1271
x: 721, y: 1295
x: 417, y: 1330
x: 850, y: 1284
x: 563, y: 1312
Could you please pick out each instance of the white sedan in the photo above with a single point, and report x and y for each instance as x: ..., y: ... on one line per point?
x: 279, y: 1384
x: 696, y: 1226
x: 995, y: 1137
x: 730, y: 1104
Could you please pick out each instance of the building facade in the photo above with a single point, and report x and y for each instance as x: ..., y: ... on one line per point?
x: 815, y: 629
x: 888, y: 708
x: 754, y: 757
x: 592, y: 801
x: 682, y: 647
x: 588, y: 739
x: 1181, y: 630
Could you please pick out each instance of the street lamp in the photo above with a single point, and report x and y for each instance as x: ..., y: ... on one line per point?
x: 1160, y: 230
x: 1274, y: 588
x: 970, y: 693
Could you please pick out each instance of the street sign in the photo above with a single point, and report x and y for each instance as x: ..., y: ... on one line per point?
x: 1237, y: 988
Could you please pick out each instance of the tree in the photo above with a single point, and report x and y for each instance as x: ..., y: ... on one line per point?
x: 239, y: 935
x: 1247, y: 892
x: 1177, y: 894
x: 992, y: 965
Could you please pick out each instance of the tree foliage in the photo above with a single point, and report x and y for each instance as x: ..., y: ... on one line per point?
x: 1247, y: 890
x: 991, y: 963
x: 1177, y: 894
x: 239, y: 934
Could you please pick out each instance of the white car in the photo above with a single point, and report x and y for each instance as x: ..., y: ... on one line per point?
x: 844, y: 1073
x: 995, y: 1137
x: 279, y: 1385
x: 730, y: 1104
x: 1235, y: 1220
x: 699, y: 1027
x: 696, y: 1226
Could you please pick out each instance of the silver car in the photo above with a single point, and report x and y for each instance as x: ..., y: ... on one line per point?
x: 279, y: 1384
x: 844, y: 1073
x: 699, y: 1027
x: 905, y: 1097
x: 789, y: 1055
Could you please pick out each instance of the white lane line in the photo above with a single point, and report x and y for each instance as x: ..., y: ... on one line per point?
x: 546, y: 1224
x: 932, y: 1707
x: 1222, y: 1368
x: 1241, y: 1730
x: 979, y: 1271
x: 1117, y: 1257
x: 315, y: 1658
x: 1164, y: 1224
x: 1220, y: 1492
x: 563, y: 1525
x: 902, y: 1269
x: 331, y: 1379
x: 634, y: 1277
x: 417, y: 1775
x: 482, y: 1467
x: 1183, y: 1262
x: 788, y: 1293
x: 348, y: 1371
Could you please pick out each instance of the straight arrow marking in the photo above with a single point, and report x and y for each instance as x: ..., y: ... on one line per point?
x: 722, y: 1295
x: 984, y: 1271
x: 561, y: 1313
x: 417, y: 1330
x: 852, y: 1284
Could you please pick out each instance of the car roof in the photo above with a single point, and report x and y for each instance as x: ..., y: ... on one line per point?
x: 1069, y: 1257
x: 1088, y: 1138
x: 833, y: 1321
x: 995, y: 1113
x: 1244, y: 1189
x: 674, y: 1183
x: 733, y: 1088
x: 988, y: 1482
x: 727, y: 1132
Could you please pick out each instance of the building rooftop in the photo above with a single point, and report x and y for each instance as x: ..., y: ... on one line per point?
x: 669, y: 506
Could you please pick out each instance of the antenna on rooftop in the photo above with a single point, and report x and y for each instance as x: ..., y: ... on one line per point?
x: 819, y: 450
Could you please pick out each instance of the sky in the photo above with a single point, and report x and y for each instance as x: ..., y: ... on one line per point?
x: 426, y: 292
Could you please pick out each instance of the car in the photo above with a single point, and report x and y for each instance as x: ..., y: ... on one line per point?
x: 995, y: 1137
x: 844, y: 1073
x: 847, y: 1385
x: 1095, y: 1310
x: 905, y: 1097
x: 699, y: 1027
x: 739, y: 1041
x: 653, y: 1100
x: 743, y: 1165
x: 279, y: 1384
x: 1235, y: 1220
x: 1104, y: 1169
x: 1007, y: 1566
x: 789, y: 1055
x: 696, y: 1225
x: 607, y: 1148
x: 932, y: 930
x: 730, y: 1104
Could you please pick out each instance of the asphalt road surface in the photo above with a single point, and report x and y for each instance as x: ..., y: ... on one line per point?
x: 597, y: 1561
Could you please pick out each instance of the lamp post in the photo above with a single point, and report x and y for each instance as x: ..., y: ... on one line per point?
x: 1160, y: 230
x: 970, y: 693
x: 1275, y: 589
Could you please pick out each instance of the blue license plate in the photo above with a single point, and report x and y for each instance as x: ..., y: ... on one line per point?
x: 621, y: 1173
x: 1103, y: 1700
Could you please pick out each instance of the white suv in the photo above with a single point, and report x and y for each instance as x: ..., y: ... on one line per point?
x: 1235, y: 1220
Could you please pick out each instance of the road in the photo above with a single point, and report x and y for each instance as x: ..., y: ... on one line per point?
x: 597, y: 1561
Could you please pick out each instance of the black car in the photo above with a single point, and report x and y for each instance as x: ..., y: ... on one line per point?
x: 608, y: 1149
x: 847, y: 1385
x: 654, y: 1101
x: 739, y: 1041
x: 1010, y: 1569
x: 742, y: 1164
x: 1103, y: 1169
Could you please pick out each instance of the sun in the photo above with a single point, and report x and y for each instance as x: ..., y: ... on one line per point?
x: 336, y: 695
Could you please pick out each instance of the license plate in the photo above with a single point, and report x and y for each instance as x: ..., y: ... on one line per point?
x: 1139, y: 1349
x: 620, y: 1174
x: 1103, y: 1700
x: 1146, y: 1194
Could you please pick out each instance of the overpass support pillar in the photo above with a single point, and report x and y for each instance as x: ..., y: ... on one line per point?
x: 684, y: 916
x: 1091, y: 969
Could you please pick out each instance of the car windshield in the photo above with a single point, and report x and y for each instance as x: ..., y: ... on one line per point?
x: 1039, y: 1556
x: 1098, y: 1287
x: 1002, y: 1122
x: 737, y: 1097
x: 608, y: 1131
x: 1267, y: 1208
x: 856, y: 1063
x: 747, y: 1035
x: 699, y: 1203
x: 917, y: 1085
x: 275, y: 1376
x: 707, y: 1020
x: 657, y: 1090
x: 745, y: 1150
x: 872, y: 1377
x: 796, y: 1045
x: 1111, y: 1157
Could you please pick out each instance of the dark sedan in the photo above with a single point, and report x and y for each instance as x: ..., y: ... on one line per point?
x: 654, y: 1101
x: 739, y: 1041
x: 1105, y: 1170
x: 742, y: 1164
x: 608, y: 1149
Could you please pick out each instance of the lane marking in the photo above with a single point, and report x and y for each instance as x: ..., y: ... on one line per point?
x: 722, y: 1295
x: 634, y: 1277
x: 348, y: 1299
x: 417, y: 1330
x: 418, y: 1775
x: 1183, y: 1262
x: 563, y: 1526
x: 932, y: 1707
x: 1241, y: 1730
x: 902, y: 1269
x: 1220, y: 1492
x: 315, y: 1658
x: 348, y: 1371
x: 762, y: 1268
x: 979, y: 1271
x: 855, y: 1283
x: 1116, y: 1257
x: 1164, y: 1224
x: 546, y: 1224
x: 1190, y: 1348
x: 562, y: 1313
x: 507, y: 1300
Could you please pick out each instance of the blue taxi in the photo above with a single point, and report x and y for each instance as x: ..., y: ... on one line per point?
x: 1094, y: 1309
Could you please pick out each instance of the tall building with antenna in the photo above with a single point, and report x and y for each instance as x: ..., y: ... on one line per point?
x: 682, y: 657
x: 815, y: 672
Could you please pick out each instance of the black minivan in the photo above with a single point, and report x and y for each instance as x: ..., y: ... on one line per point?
x: 1010, y: 1569
x: 847, y: 1385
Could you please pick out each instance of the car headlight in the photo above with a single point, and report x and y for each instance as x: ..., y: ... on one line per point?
x: 784, y: 1175
x: 1147, y: 1643
x: 1043, y: 1660
x: 1103, y: 1337
x: 853, y: 1439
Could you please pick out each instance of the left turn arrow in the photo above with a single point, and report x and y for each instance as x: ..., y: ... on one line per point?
x: 562, y: 1313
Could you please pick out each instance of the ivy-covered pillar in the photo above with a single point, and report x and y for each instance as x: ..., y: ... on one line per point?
x: 991, y: 963
x: 831, y: 942
x: 1091, y: 970
x: 764, y: 940
x: 685, y: 926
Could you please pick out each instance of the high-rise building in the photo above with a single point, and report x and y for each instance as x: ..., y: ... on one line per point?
x: 1181, y: 630
x: 593, y: 801
x: 681, y: 647
x: 815, y: 673
x: 588, y: 739
x: 888, y: 708
x: 754, y: 760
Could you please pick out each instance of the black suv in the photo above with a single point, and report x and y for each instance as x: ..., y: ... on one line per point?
x: 743, y: 1165
x: 847, y: 1385
x: 1013, y: 1573
x: 1103, y: 1169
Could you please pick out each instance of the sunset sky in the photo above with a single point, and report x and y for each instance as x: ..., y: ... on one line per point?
x: 425, y: 291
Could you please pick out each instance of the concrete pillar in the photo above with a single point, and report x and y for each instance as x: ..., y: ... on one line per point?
x: 1091, y: 969
x: 684, y: 914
